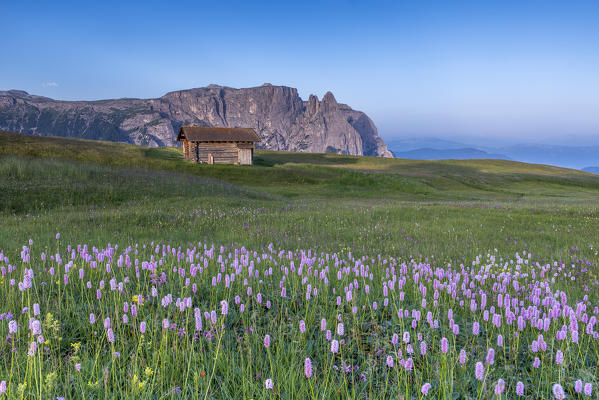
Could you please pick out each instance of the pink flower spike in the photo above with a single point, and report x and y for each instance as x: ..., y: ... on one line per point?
x: 389, y: 361
x: 479, y: 371
x: 500, y: 386
x: 308, y: 368
x: 334, y: 346
x: 425, y: 388
x: 559, y: 357
x: 462, y: 357
x: 491, y: 356
x: 444, y: 345
x: 558, y: 392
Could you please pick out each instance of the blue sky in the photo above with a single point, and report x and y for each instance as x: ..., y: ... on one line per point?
x: 517, y: 71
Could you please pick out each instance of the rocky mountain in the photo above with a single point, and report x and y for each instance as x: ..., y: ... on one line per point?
x: 280, y: 117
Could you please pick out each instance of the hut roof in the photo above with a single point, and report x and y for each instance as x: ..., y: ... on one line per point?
x: 210, y: 134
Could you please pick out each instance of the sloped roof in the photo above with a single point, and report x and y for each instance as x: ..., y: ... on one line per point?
x: 210, y: 134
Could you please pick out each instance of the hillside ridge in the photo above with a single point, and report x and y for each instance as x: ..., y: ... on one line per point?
x: 308, y: 175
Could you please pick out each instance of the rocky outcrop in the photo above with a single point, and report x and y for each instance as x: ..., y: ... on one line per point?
x: 280, y: 117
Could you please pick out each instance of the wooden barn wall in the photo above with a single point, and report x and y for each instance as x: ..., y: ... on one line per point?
x: 245, y: 156
x: 222, y: 153
x: 186, y: 150
x: 191, y: 151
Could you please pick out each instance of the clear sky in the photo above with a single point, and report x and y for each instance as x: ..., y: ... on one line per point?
x: 521, y: 70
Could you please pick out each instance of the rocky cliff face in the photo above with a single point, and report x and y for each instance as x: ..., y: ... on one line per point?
x: 280, y: 117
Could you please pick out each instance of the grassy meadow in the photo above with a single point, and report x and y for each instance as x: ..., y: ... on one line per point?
x: 128, y: 272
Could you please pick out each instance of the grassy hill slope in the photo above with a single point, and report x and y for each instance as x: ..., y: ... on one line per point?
x: 44, y: 172
x: 99, y: 192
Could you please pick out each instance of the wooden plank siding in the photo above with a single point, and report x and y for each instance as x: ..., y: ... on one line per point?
x: 222, y: 153
x: 212, y: 145
x: 245, y: 156
x: 240, y: 153
x: 218, y: 145
x: 186, y: 149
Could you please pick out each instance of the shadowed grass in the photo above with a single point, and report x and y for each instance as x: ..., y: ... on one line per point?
x: 33, y: 185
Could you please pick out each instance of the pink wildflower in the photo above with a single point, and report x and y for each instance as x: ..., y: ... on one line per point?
x: 389, y: 361
x: 268, y: 384
x: 425, y: 388
x: 334, y: 346
x: 520, y: 389
x: 558, y: 392
x: 500, y: 386
x: 308, y: 368
x: 462, y: 356
x: 491, y: 356
x: 444, y: 345
x: 479, y: 371
x: 559, y: 357
x: 110, y: 335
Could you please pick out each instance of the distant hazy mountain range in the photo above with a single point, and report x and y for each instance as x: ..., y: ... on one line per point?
x: 594, y: 170
x: 280, y: 117
x: 457, y: 154
x: 579, y: 157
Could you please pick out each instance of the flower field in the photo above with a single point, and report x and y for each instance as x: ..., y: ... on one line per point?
x: 152, y: 320
x: 302, y: 277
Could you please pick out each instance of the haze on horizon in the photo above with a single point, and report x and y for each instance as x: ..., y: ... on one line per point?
x: 502, y: 71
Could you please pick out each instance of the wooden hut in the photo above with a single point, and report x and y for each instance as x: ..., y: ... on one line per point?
x: 218, y: 145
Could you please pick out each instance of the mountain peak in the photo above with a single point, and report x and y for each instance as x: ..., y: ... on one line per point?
x: 329, y: 98
x: 277, y: 113
x: 329, y: 103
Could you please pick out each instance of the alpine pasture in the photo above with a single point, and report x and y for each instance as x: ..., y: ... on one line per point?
x: 130, y: 273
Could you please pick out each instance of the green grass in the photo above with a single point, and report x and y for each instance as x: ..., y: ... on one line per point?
x: 302, y: 175
x: 433, y: 212
x: 451, y: 209
x: 33, y: 185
